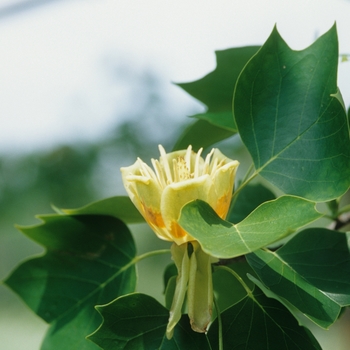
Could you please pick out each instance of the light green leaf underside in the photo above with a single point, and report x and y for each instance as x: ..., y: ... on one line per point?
x: 322, y: 257
x: 268, y: 223
x: 290, y: 117
x: 311, y: 272
x: 278, y: 276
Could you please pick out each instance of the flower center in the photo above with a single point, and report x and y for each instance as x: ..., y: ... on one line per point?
x: 181, y: 171
x: 181, y: 167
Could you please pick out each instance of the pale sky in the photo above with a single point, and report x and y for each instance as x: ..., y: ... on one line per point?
x: 54, y: 74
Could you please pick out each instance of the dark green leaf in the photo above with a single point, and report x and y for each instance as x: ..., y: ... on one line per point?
x: 120, y: 207
x: 185, y: 338
x: 169, y: 278
x: 201, y: 134
x: 88, y: 262
x: 260, y: 323
x: 170, y: 292
x: 169, y: 272
x: 228, y: 290
x: 268, y: 223
x: 278, y: 276
x: 289, y: 116
x: 322, y: 257
x: 137, y: 321
x: 70, y: 333
x: 249, y: 198
x: 223, y: 120
x: 215, y: 90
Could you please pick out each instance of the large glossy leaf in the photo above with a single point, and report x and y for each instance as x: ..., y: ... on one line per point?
x: 268, y: 223
x: 249, y: 198
x: 319, y: 256
x: 137, y: 321
x: 290, y: 117
x: 260, y: 323
x: 278, y: 276
x: 215, y: 90
x: 120, y: 207
x: 322, y: 257
x: 70, y: 333
x: 88, y: 261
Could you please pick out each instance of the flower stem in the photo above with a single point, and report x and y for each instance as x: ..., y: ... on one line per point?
x: 221, y: 344
x: 149, y: 254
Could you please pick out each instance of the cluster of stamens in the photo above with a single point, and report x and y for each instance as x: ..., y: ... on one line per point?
x: 181, y: 167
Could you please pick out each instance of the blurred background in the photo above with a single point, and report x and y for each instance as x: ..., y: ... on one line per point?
x: 86, y: 87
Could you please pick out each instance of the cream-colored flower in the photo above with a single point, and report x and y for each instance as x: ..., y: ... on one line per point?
x: 176, y: 179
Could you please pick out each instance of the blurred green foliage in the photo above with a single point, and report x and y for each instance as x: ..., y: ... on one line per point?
x: 73, y: 175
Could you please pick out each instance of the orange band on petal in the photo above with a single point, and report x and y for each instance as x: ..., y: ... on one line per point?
x: 152, y: 217
x: 223, y: 205
x: 177, y: 231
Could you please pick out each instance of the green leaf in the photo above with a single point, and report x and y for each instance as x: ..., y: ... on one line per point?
x: 137, y: 321
x: 322, y: 257
x: 68, y: 332
x: 260, y: 323
x: 169, y: 280
x: 170, y: 292
x: 89, y: 261
x: 215, y: 90
x: 250, y: 197
x: 278, y: 276
x: 270, y: 294
x: 228, y: 290
x: 223, y: 120
x: 201, y: 134
x: 120, y: 207
x: 185, y: 338
x: 268, y: 223
x: 291, y: 120
x: 170, y: 271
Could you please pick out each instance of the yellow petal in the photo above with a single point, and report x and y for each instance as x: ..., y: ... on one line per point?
x: 145, y: 193
x: 223, y: 178
x: 175, y: 196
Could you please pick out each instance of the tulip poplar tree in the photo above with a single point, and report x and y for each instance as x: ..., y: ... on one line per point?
x: 252, y: 261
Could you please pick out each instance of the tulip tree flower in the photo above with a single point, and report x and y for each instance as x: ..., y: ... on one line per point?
x: 176, y: 179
